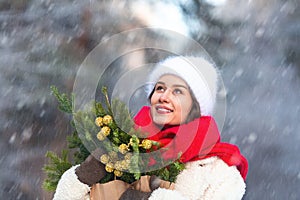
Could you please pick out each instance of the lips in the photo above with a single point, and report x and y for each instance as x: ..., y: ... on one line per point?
x: 163, y: 109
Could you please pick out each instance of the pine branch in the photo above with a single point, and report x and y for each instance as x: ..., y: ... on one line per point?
x: 119, y: 130
x: 73, y: 140
x: 104, y: 92
x: 122, y: 115
x: 65, y: 103
x: 98, y: 109
x: 55, y: 169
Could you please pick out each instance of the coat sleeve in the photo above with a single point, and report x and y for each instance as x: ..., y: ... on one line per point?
x: 70, y: 188
x: 207, y: 179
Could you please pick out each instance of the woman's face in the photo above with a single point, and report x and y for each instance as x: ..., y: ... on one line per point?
x: 171, y: 101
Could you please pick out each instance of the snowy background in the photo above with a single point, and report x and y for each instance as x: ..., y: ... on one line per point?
x: 254, y: 42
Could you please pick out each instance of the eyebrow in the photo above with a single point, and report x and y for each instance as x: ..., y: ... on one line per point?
x: 175, y: 85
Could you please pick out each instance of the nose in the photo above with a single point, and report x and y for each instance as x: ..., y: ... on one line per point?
x: 165, y: 96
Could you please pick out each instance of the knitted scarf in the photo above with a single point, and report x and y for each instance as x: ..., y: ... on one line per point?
x: 195, y: 140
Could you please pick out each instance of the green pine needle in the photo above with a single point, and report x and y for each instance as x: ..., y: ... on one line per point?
x: 65, y: 103
x: 105, y: 93
x: 55, y: 169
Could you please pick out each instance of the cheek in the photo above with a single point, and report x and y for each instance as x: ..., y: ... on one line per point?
x: 180, y: 103
x: 153, y: 99
x: 185, y: 106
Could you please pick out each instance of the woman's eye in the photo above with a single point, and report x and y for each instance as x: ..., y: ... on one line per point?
x: 159, y: 88
x: 177, y: 91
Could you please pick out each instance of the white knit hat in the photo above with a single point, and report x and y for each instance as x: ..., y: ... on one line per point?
x: 197, y: 72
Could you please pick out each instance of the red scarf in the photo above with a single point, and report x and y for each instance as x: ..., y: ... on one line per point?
x: 197, y: 140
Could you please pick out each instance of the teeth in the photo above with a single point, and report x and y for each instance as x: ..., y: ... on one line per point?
x: 164, y: 110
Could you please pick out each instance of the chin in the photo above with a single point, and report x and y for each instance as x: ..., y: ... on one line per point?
x: 161, y: 121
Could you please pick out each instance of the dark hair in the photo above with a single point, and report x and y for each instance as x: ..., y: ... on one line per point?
x: 195, y: 110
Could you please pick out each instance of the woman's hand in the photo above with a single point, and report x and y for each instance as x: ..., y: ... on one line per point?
x: 91, y: 170
x: 132, y: 193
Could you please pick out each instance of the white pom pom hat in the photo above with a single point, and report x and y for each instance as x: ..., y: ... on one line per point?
x: 200, y: 75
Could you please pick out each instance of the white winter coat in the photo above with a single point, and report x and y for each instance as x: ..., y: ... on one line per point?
x: 206, y: 179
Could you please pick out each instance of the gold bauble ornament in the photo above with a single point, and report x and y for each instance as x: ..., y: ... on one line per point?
x: 118, y: 173
x: 107, y: 119
x: 109, y: 167
x: 125, y: 164
x: 99, y: 121
x: 146, y: 144
x: 104, y: 159
x: 123, y: 148
x: 118, y: 165
x: 105, y: 130
x: 100, y: 136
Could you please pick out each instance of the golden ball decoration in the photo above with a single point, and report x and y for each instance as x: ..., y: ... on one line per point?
x: 99, y: 121
x: 104, y: 159
x: 118, y: 165
x: 123, y: 148
x: 118, y: 173
x: 100, y: 136
x: 107, y: 119
x: 146, y: 144
x: 125, y: 164
x: 105, y: 130
x: 109, y: 167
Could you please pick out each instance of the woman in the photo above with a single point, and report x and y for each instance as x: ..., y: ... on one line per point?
x: 179, y: 118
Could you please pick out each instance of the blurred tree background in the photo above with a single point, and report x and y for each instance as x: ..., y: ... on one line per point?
x: 255, y: 43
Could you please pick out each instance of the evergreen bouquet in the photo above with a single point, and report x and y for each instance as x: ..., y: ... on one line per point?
x: 108, y: 126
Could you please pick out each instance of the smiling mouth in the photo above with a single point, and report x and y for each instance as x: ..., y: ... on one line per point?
x: 163, y: 110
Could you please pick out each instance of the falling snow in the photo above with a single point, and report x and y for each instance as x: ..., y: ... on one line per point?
x: 255, y: 44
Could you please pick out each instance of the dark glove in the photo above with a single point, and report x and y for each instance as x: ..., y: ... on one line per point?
x: 131, y: 194
x: 154, y: 182
x: 91, y: 170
